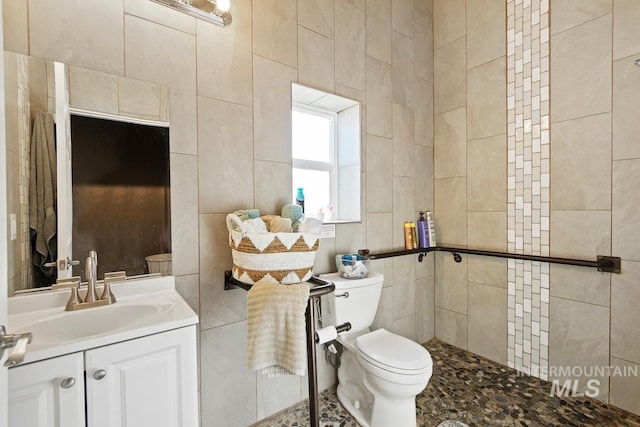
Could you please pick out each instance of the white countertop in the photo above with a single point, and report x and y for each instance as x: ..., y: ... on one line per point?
x: 144, y: 306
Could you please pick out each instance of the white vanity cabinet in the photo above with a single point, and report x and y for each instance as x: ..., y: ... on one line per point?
x: 150, y: 381
x: 144, y: 382
x: 132, y: 363
x: 48, y: 393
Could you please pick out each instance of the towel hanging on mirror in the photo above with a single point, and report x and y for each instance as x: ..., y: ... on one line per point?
x: 42, y: 192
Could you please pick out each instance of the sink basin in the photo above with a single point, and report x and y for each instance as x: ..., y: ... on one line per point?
x: 145, y: 306
x: 69, y: 326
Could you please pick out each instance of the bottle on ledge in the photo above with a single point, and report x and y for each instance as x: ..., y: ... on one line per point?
x: 423, y: 236
x: 431, y: 230
x: 414, y: 236
x: 408, y: 236
x: 300, y: 198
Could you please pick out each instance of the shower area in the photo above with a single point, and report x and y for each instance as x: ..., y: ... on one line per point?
x: 535, y: 118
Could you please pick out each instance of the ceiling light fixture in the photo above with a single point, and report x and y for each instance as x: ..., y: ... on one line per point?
x: 216, y: 11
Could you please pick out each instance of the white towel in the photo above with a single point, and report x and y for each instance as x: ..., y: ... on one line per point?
x: 276, y: 329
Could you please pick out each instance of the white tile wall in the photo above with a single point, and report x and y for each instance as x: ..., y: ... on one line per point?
x: 528, y: 182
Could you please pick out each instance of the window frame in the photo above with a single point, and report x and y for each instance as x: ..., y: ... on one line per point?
x: 315, y: 165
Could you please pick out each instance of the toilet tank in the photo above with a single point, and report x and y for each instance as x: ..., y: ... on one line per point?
x: 360, y: 306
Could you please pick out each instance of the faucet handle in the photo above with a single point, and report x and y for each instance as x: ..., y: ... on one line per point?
x: 109, y: 278
x: 74, y: 300
x: 107, y: 295
x: 68, y: 282
x: 115, y: 276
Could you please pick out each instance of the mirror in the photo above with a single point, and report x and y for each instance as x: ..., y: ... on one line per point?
x: 325, y: 146
x: 108, y: 152
x: 216, y: 11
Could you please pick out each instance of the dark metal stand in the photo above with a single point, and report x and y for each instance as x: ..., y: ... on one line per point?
x: 312, y: 368
x: 319, y: 287
x: 607, y: 264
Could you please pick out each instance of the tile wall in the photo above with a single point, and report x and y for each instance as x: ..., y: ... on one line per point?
x: 107, y: 93
x: 14, y: 76
x: 593, y: 171
x: 229, y: 100
x: 528, y: 184
x: 470, y: 168
x: 24, y: 132
x: 581, y: 195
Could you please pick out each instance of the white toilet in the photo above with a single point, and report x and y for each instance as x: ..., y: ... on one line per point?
x: 381, y: 373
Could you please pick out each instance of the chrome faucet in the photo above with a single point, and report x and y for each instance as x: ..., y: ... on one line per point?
x: 91, y: 270
x: 90, y: 299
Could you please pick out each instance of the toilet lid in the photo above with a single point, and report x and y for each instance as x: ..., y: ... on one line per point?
x: 392, y: 352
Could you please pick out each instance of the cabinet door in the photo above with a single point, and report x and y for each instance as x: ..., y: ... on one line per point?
x: 48, y: 393
x: 150, y: 381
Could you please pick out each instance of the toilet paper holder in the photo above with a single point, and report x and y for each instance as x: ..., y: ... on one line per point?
x: 330, y: 333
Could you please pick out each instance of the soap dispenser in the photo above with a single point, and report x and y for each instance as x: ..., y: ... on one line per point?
x: 423, y: 237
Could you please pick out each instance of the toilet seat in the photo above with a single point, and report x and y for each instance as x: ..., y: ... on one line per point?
x: 393, y: 353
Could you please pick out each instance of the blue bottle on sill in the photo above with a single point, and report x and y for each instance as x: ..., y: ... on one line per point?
x: 300, y: 198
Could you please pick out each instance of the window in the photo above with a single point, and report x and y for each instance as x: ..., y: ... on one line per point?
x: 313, y: 133
x: 326, y: 153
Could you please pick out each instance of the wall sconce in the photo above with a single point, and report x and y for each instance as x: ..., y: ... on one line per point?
x: 216, y: 11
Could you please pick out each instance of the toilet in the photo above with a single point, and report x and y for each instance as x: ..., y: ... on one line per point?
x: 380, y: 372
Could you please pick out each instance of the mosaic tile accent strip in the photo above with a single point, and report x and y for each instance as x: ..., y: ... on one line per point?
x: 528, y: 183
x: 24, y: 136
x: 467, y: 388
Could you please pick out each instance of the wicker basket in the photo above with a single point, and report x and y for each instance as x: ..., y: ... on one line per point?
x: 283, y: 258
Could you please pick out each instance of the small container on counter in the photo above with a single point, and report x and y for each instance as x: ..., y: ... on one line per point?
x: 352, y: 266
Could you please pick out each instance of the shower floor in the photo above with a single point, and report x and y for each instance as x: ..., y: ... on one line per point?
x: 478, y: 392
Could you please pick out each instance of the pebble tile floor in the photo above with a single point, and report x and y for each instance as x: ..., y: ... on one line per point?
x: 475, y: 391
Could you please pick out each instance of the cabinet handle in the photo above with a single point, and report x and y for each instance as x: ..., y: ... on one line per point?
x: 100, y: 374
x: 68, y: 382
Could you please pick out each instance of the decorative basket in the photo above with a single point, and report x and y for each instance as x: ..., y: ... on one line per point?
x: 284, y: 258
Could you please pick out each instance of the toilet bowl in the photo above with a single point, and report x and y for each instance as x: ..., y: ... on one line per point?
x: 395, y: 370
x: 381, y: 372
